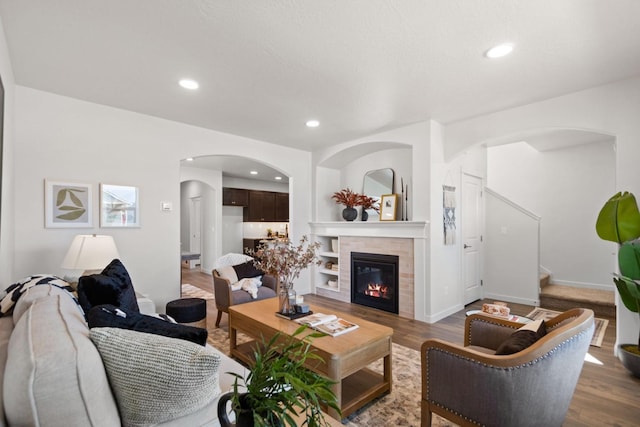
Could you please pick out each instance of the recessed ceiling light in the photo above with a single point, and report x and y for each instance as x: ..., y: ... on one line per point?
x: 499, y: 51
x: 313, y: 123
x: 254, y: 172
x: 189, y: 84
x: 189, y: 159
x: 278, y: 178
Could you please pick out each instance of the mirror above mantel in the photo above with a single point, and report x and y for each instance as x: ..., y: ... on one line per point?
x: 378, y: 182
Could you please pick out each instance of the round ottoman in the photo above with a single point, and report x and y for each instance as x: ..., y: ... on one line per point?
x: 188, y: 311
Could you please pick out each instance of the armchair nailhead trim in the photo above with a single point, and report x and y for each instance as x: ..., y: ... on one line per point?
x: 455, y: 412
x: 490, y: 321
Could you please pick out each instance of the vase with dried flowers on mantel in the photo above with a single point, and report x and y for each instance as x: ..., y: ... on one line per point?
x: 350, y: 200
x: 285, y: 261
x: 368, y: 203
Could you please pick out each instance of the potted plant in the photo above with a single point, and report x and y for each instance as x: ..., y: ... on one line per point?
x: 279, y: 385
x: 619, y: 221
x: 285, y: 262
x: 350, y: 200
x: 368, y: 203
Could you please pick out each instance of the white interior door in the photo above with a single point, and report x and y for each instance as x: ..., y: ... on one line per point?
x: 472, y: 237
x: 195, y: 226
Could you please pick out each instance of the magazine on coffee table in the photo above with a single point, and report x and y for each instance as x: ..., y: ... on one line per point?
x: 330, y: 324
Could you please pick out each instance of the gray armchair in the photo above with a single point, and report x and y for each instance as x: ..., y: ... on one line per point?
x: 225, y: 296
x: 472, y: 386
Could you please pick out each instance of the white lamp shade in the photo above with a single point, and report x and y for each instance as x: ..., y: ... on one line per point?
x: 90, y: 252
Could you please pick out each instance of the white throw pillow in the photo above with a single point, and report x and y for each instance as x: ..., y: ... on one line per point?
x: 155, y: 378
x: 228, y: 273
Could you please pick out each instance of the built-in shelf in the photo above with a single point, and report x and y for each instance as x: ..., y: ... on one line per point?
x: 327, y: 254
x: 327, y: 287
x: 327, y: 271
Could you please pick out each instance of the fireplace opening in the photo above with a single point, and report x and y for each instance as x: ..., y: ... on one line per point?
x: 374, y: 281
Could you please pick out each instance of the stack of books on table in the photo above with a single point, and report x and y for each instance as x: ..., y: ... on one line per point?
x: 330, y: 324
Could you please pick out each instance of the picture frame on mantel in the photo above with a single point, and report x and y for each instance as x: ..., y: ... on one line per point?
x: 67, y: 205
x: 388, y: 207
x: 119, y: 206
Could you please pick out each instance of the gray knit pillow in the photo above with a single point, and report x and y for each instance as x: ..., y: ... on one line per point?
x: 156, y: 378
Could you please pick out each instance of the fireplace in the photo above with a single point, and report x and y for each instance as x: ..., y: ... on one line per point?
x: 374, y: 281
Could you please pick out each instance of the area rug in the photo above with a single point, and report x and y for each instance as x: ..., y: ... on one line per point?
x: 401, y: 407
x: 195, y: 292
x: 598, y: 334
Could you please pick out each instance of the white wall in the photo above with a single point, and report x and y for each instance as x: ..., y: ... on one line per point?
x: 611, y: 109
x: 447, y: 293
x: 561, y: 187
x: 71, y: 140
x: 510, y: 252
x: 7, y: 218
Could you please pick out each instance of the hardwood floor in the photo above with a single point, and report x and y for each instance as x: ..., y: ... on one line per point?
x: 606, y: 395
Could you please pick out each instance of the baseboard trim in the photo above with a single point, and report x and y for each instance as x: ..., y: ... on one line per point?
x: 515, y: 300
x: 445, y: 313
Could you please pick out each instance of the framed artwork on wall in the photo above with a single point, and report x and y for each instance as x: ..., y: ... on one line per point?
x: 388, y: 207
x: 119, y: 206
x: 67, y: 205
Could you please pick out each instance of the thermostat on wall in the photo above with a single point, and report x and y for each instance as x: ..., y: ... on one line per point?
x: 166, y: 206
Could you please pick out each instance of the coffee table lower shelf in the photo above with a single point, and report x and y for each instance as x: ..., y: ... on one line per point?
x: 358, y: 388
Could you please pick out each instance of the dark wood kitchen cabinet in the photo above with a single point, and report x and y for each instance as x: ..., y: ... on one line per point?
x: 267, y: 206
x: 235, y: 197
x: 282, y: 207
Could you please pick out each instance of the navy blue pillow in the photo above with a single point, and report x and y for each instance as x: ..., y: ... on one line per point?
x: 112, y: 286
x: 247, y: 270
x: 108, y: 315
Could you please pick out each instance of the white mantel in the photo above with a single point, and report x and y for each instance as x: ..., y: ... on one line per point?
x: 400, y: 229
x: 415, y: 231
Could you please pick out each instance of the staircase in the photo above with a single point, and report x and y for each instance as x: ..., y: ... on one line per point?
x: 561, y: 298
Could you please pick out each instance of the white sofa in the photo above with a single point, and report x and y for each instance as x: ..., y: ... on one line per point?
x: 53, y: 374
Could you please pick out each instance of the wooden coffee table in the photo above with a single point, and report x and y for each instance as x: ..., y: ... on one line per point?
x: 346, y: 356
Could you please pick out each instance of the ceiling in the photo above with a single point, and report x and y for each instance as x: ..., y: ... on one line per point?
x: 357, y: 66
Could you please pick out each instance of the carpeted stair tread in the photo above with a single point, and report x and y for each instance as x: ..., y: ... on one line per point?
x: 560, y: 297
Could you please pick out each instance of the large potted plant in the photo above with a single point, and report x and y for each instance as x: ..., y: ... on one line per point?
x: 619, y: 221
x: 279, y: 386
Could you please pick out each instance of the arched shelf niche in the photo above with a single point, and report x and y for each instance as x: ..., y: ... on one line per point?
x: 341, y: 167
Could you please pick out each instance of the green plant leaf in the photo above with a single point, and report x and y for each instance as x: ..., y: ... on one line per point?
x: 629, y: 260
x: 629, y: 293
x: 72, y: 216
x: 619, y: 219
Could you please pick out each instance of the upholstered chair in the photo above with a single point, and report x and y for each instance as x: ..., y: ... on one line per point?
x: 471, y: 385
x: 228, y: 290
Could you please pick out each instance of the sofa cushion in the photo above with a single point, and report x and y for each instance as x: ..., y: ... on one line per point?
x: 107, y: 315
x: 112, y: 286
x: 523, y: 338
x: 6, y: 328
x: 53, y: 367
x: 156, y: 378
x: 16, y: 290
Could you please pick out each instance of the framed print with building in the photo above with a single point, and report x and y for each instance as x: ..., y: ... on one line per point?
x: 119, y: 206
x: 67, y: 205
x: 388, y: 205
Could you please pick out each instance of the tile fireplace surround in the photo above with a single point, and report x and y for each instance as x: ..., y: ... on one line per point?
x: 406, y: 239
